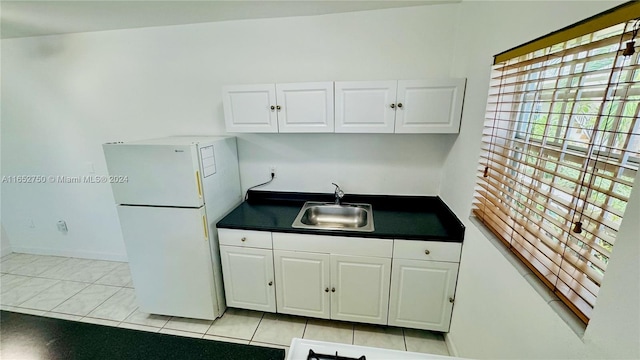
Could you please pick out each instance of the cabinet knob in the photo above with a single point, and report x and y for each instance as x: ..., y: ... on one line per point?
x: 270, y: 283
x: 243, y: 239
x: 278, y: 107
x: 273, y: 107
x: 333, y: 289
x: 393, y: 106
x: 426, y: 252
x: 451, y: 300
x: 399, y: 105
x: 326, y: 290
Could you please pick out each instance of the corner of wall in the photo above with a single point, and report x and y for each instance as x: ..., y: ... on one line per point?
x: 5, y: 244
x: 451, y: 347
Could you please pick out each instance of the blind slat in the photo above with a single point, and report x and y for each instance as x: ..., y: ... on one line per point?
x: 561, y: 145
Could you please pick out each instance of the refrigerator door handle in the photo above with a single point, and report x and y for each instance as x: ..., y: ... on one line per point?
x: 206, y: 230
x: 199, y: 184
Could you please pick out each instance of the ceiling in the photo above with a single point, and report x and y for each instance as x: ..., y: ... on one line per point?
x: 34, y: 18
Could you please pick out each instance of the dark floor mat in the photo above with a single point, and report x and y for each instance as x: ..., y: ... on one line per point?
x: 34, y: 337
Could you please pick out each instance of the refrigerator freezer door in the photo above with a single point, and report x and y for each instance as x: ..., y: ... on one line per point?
x: 170, y: 260
x: 159, y: 175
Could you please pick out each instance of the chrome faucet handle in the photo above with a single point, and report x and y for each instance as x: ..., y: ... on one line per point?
x: 338, y: 193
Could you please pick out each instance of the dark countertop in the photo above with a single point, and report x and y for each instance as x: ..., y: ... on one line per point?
x: 35, y: 337
x: 394, y: 217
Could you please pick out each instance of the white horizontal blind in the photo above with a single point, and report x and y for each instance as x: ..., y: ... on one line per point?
x: 561, y: 146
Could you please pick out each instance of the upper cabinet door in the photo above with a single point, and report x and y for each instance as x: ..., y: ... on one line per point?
x: 250, y: 108
x: 305, y: 107
x: 429, y: 106
x: 365, y: 106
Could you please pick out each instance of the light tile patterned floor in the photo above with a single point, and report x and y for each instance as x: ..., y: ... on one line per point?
x: 101, y: 292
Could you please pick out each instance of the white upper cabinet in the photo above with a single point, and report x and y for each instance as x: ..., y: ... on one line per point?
x: 365, y: 106
x: 429, y: 106
x: 250, y: 108
x: 392, y: 106
x: 305, y: 107
x: 272, y: 108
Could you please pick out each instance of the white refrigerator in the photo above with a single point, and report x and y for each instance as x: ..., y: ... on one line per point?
x: 170, y: 193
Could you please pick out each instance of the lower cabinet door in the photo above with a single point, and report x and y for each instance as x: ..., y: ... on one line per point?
x: 360, y: 288
x: 422, y: 294
x: 248, y: 278
x: 302, y: 281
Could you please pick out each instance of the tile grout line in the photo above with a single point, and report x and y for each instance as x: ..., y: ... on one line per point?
x: 353, y: 334
x: 41, y: 276
x: 165, y: 324
x: 404, y: 340
x: 38, y: 293
x: 28, y: 262
x: 187, y: 331
x: 51, y: 310
x: 105, y: 300
x: 306, y: 322
x: 257, y: 327
x: 210, y: 325
x: 114, y: 294
x: 41, y: 272
x: 59, y: 280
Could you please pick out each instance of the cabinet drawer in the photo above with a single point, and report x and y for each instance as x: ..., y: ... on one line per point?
x: 426, y: 250
x: 245, y: 238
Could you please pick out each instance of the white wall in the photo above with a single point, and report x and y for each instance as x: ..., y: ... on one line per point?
x: 364, y: 164
x: 63, y: 96
x: 498, y: 314
x: 5, y: 244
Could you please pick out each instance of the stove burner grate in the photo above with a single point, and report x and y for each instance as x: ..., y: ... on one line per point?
x: 313, y: 356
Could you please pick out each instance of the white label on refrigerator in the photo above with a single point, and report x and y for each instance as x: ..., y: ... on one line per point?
x: 208, y: 161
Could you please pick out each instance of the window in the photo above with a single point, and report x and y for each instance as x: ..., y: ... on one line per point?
x: 561, y: 148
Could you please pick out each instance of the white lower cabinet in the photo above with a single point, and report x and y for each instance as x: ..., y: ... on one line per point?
x: 423, y: 284
x: 360, y: 288
x: 422, y: 294
x: 248, y: 278
x: 302, y: 283
x: 342, y: 278
x: 328, y: 286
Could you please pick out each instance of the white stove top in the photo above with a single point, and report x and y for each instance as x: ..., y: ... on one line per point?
x: 299, y: 350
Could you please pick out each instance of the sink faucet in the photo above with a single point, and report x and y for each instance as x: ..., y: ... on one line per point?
x: 338, y: 193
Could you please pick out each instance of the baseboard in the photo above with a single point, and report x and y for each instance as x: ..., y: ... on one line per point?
x: 70, y: 253
x: 453, y: 351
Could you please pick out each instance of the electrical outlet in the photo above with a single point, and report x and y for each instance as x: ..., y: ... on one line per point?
x: 272, y: 170
x: 62, y: 226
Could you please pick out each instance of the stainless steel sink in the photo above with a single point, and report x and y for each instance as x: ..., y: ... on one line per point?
x: 329, y: 216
